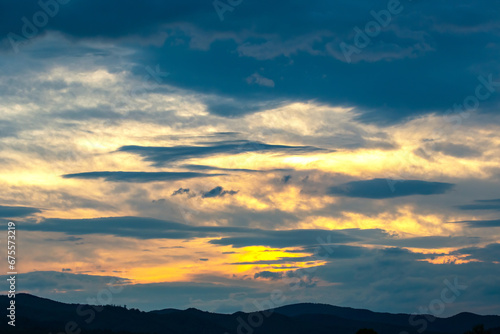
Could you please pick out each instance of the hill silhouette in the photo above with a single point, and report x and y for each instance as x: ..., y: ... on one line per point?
x: 36, y: 315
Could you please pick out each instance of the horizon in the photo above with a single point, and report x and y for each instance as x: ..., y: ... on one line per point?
x: 240, y: 311
x: 228, y: 154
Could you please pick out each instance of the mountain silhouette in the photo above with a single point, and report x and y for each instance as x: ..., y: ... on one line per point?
x: 35, y: 315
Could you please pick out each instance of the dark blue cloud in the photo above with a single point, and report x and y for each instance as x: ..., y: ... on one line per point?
x: 218, y: 192
x: 65, y: 239
x: 142, y: 228
x: 138, y: 177
x: 52, y: 280
x: 489, y: 204
x: 160, y: 156
x: 490, y: 253
x: 242, y: 170
x: 135, y: 227
x: 427, y: 59
x: 180, y: 191
x: 288, y: 238
x: 149, y: 228
x: 213, y: 168
x: 480, y: 223
x: 17, y: 211
x: 339, y: 252
x: 386, y: 188
x: 431, y: 242
x: 268, y: 275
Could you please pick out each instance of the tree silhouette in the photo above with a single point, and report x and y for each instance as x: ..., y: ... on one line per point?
x: 478, y: 329
x: 366, y: 331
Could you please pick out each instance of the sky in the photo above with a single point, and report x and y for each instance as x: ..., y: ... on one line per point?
x: 210, y: 154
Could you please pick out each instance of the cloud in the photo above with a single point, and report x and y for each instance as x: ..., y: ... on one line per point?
x: 160, y: 156
x: 215, y: 192
x: 456, y: 150
x: 218, y: 192
x: 490, y: 204
x: 386, y: 188
x: 245, y: 76
x: 268, y: 275
x: 257, y: 79
x: 103, y: 112
x: 17, y: 211
x: 180, y: 191
x: 52, y: 282
x: 150, y: 228
x: 242, y: 170
x: 8, y: 129
x: 135, y: 227
x: 281, y: 260
x: 480, y: 223
x: 288, y: 238
x: 489, y: 253
x: 65, y: 239
x: 138, y: 177
x: 255, y: 41
x: 430, y: 242
x: 395, y: 274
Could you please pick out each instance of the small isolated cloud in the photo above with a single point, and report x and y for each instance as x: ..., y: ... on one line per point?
x: 203, y: 259
x: 257, y: 79
x: 180, y: 191
x: 268, y: 275
x: 66, y: 269
x: 286, y: 178
x: 218, y: 192
x: 385, y: 188
x: 65, y: 239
